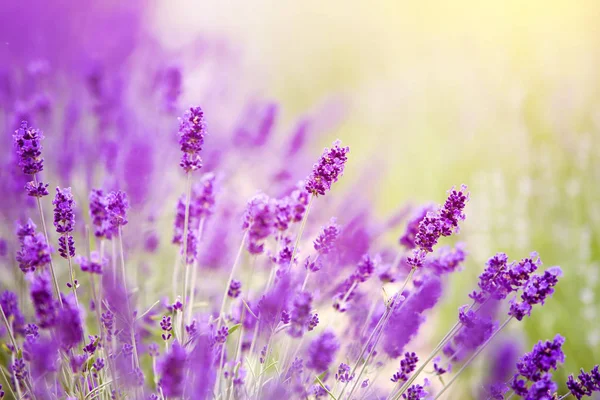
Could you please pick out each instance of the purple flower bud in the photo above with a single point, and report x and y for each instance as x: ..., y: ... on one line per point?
x: 64, y: 217
x: 234, y: 289
x: 407, y: 365
x: 117, y: 206
x: 93, y: 265
x: 172, y: 371
x: 43, y: 301
x: 99, y: 215
x: 327, y: 237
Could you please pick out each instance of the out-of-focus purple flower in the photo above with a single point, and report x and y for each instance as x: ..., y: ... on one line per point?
x: 171, y: 79
x: 256, y: 128
x: 259, y: 221
x: 108, y: 319
x: 502, y: 360
x: 28, y: 144
x: 327, y: 170
x: 35, y: 251
x: 407, y: 365
x: 313, y: 321
x: 94, y: 264
x: 10, y: 305
x: 343, y: 373
x: 202, y: 203
x: 299, y: 200
x: 39, y: 190
x: 345, y: 291
x: 447, y: 259
x: 300, y: 315
x: 192, y: 129
x: 407, y: 318
x: 99, y: 214
x: 322, y: 351
x: 221, y: 335
x: 585, y: 384
x: 202, y: 369
x: 117, y: 206
x: 537, y: 289
x: 172, y: 369
x: 235, y: 288
x: 43, y: 301
x: 324, y: 242
x: 69, y: 326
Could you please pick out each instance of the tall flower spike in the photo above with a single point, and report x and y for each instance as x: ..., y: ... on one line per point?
x: 537, y: 289
x: 99, y: 214
x: 117, y: 206
x: 28, y: 144
x: 64, y: 221
x: 43, y: 302
x: 35, y: 251
x: 327, y: 237
x: 192, y: 129
x: 322, y: 351
x: 327, y: 170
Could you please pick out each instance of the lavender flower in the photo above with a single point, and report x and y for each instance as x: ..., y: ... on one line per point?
x: 259, y: 221
x: 43, y: 301
x: 28, y: 144
x: 343, y: 374
x: 585, y: 384
x: 300, y: 315
x: 407, y: 365
x: 172, y: 371
x: 327, y: 170
x: 117, y: 205
x: 412, y: 228
x: 234, y: 289
x: 39, y: 190
x: 35, y: 251
x: 93, y: 265
x: 415, y: 392
x: 69, y: 324
x: 10, y: 306
x: 99, y: 214
x: 324, y: 242
x: 192, y: 129
x: 64, y: 217
x: 167, y: 327
x: 537, y: 289
x: 322, y: 351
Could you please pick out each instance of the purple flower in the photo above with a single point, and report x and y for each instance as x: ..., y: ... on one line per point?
x: 543, y: 389
x: 443, y: 222
x: 235, y: 288
x: 537, y: 289
x: 221, y: 335
x: 343, y: 374
x: 192, y: 129
x: 407, y: 317
x: 117, y: 206
x: 167, y: 327
x: 544, y: 357
x: 99, y: 214
x: 322, y: 351
x: 64, y: 217
x: 585, y: 384
x: 202, y: 369
x: 66, y: 246
x: 28, y: 144
x: 407, y: 365
x: 10, y: 305
x: 43, y: 301
x: 300, y: 315
x: 327, y: 170
x: 69, y: 324
x: 259, y: 221
x: 447, y: 259
x: 39, y: 190
x: 203, y: 197
x: 34, y: 252
x: 172, y: 371
x: 415, y: 392
x: 93, y: 265
x: 327, y: 237
x: 313, y: 321
x: 412, y: 228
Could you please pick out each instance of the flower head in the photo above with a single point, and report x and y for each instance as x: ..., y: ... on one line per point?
x: 28, y: 144
x: 43, y: 301
x: 327, y: 237
x: 322, y: 351
x: 327, y: 170
x: 99, y: 214
x: 64, y: 217
x: 192, y: 129
x: 172, y: 371
x: 39, y: 190
x: 117, y: 206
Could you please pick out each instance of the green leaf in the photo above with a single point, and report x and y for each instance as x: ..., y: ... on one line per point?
x: 234, y: 328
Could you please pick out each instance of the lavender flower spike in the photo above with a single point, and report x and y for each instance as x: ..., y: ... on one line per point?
x: 64, y: 221
x: 117, y: 206
x: 327, y: 170
x: 28, y: 144
x: 192, y: 129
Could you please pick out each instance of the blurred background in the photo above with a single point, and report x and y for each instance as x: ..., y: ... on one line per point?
x: 501, y: 96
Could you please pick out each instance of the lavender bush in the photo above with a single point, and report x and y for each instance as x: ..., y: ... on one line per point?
x: 292, y: 291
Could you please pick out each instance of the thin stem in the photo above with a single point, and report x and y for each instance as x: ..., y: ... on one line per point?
x: 130, y: 315
x: 9, y: 329
x: 564, y: 396
x: 41, y: 212
x: 73, y: 288
x: 186, y: 221
x: 301, y: 230
x: 231, y: 274
x: 381, y: 323
x: 466, y: 364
